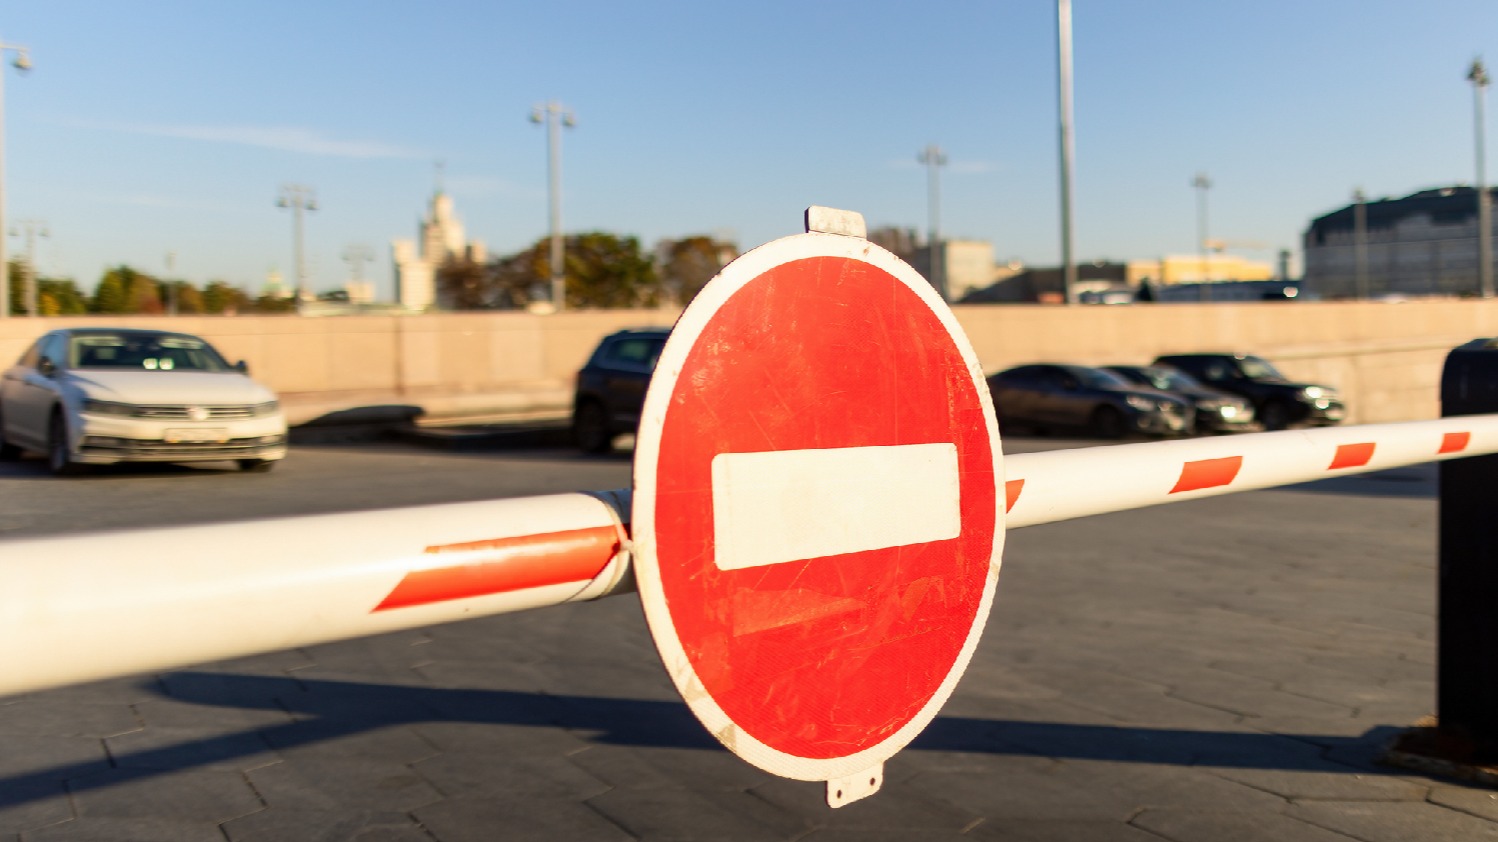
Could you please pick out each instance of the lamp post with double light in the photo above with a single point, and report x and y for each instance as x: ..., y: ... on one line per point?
x: 21, y: 63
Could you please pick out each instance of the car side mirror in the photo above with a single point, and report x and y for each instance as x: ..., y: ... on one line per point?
x: 242, y: 367
x: 46, y: 367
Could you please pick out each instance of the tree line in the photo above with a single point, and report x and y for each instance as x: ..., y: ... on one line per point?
x: 126, y: 291
x: 601, y: 270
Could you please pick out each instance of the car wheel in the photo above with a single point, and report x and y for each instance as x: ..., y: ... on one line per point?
x: 590, y: 428
x: 256, y: 466
x: 1107, y: 423
x: 59, y: 457
x: 1275, y: 415
x: 9, y: 452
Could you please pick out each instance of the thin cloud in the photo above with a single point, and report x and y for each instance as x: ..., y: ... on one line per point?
x: 281, y: 138
x: 147, y: 200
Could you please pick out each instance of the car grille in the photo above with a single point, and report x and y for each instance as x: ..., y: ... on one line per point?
x: 224, y: 413
x: 149, y: 448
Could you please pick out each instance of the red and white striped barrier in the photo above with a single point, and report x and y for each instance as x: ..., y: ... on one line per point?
x: 1062, y: 484
x: 82, y: 608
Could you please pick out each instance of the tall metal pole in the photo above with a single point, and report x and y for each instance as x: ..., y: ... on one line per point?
x: 299, y: 198
x: 23, y: 62
x: 1202, y: 185
x: 1068, y: 151
x: 556, y: 116
x: 30, y: 229
x: 1478, y: 76
x: 934, y: 159
x: 1360, y: 241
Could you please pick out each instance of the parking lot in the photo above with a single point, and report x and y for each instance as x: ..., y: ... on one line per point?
x: 1223, y: 669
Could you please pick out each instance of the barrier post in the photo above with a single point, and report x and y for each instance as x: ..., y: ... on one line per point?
x: 1467, y: 569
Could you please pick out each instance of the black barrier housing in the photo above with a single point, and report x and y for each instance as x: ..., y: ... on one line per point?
x: 1467, y: 569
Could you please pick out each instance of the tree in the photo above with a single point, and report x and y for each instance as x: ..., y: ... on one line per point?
x: 110, y: 295
x: 189, y: 297
x: 687, y: 265
x: 219, y: 298
x: 601, y: 269
x: 60, y: 297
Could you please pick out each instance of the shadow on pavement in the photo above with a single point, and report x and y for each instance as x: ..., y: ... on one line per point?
x: 337, y: 709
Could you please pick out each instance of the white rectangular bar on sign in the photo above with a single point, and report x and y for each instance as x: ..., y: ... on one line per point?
x: 790, y: 505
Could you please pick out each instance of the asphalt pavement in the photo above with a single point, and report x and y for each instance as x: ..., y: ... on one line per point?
x: 1212, y: 671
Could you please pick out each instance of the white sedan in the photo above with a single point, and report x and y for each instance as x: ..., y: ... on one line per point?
x: 101, y: 395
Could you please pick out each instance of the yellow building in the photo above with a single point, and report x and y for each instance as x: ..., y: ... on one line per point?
x: 1195, y: 269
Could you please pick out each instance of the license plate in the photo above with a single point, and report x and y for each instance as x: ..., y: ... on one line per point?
x: 215, y: 435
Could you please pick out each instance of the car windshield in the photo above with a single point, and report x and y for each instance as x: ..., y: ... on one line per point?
x: 1169, y: 379
x: 144, y: 351
x: 1256, y: 368
x: 1097, y: 378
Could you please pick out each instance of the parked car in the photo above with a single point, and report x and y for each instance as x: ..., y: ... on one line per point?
x: 1046, y: 395
x: 101, y: 395
x: 1278, y: 401
x: 1214, y: 411
x: 610, y: 390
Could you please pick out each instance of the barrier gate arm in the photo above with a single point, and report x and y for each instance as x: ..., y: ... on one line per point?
x: 89, y: 607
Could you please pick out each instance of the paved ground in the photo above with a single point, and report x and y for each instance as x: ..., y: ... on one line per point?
x: 1211, y: 671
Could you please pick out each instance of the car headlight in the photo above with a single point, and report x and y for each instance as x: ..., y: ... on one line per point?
x: 1140, y: 402
x: 267, y: 408
x: 1312, y: 392
x: 94, y: 407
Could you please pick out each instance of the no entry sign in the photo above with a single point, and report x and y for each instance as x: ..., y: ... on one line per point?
x: 818, y: 518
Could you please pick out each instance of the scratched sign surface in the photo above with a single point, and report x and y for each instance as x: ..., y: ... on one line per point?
x: 818, y: 518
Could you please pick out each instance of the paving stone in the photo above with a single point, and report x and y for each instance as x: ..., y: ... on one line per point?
x: 28, y: 806
x: 193, y: 794
x: 475, y: 773
x: 277, y: 825
x: 187, y: 748
x: 867, y: 834
x: 172, y: 713
x: 49, y: 717
x: 232, y: 690
x: 712, y: 767
x: 127, y: 830
x: 1479, y: 801
x: 1393, y: 821
x: 1061, y: 830
x: 892, y: 808
x: 1223, y: 826
x: 322, y: 784
x: 338, y: 739
x: 518, y: 818
x: 1332, y: 784
x: 693, y: 814
x: 28, y: 758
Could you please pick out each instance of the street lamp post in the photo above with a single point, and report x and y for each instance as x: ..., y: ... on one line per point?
x: 22, y: 63
x: 1360, y: 241
x: 30, y: 229
x: 1478, y: 76
x: 555, y: 116
x: 1202, y: 185
x: 1068, y: 148
x: 934, y: 159
x: 299, y: 198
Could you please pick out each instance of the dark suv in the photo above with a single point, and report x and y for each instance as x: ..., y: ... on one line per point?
x: 611, y: 388
x: 1278, y: 402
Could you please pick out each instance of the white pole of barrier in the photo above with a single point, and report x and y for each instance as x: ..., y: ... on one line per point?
x: 82, y: 608
x: 1050, y: 486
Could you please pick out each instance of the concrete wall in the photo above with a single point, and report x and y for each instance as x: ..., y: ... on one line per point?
x: 1386, y: 358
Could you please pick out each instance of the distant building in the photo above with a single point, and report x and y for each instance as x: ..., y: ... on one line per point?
x: 440, y: 239
x: 1029, y: 284
x: 359, y: 292
x: 1422, y: 244
x: 1197, y: 269
x: 275, y: 285
x: 967, y: 264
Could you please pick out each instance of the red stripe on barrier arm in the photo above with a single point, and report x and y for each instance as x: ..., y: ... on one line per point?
x: 508, y: 564
x: 1012, y: 489
x: 1351, y: 455
x: 1207, y: 473
x: 1454, y: 442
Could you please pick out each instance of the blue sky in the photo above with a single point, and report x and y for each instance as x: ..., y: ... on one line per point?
x: 154, y: 127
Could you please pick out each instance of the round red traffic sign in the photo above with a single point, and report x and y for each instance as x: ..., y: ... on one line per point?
x: 817, y: 516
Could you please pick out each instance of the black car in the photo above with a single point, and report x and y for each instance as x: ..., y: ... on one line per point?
x: 1278, y: 401
x: 1215, y: 411
x: 1047, y: 395
x: 611, y: 387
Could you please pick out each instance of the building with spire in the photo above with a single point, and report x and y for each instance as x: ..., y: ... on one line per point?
x: 440, y: 238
